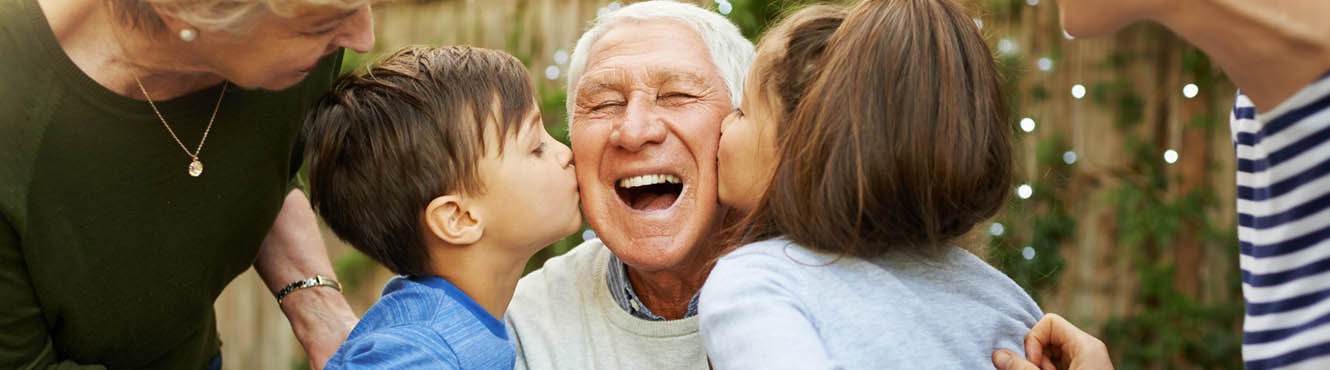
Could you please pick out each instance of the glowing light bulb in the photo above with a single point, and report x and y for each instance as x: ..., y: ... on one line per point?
x: 1190, y: 91
x: 1078, y: 91
x: 1027, y: 124
x: 724, y: 7
x: 1006, y: 46
x: 1025, y: 191
x: 560, y: 56
x: 1171, y: 156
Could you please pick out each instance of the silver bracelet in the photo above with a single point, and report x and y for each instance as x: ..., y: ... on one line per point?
x: 317, y: 280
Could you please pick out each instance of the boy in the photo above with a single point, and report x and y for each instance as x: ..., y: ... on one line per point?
x: 435, y: 163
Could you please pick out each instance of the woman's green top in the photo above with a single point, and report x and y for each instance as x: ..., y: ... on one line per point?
x: 110, y: 253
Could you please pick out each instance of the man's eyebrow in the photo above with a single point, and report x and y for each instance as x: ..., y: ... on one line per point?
x: 602, y: 82
x: 662, y: 77
x: 596, y: 88
x: 614, y: 81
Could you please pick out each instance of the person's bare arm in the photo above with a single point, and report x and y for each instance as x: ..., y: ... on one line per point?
x: 292, y: 251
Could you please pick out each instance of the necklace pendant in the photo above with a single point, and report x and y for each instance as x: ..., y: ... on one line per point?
x: 195, y: 168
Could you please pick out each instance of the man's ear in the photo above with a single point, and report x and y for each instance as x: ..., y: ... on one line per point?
x: 451, y: 220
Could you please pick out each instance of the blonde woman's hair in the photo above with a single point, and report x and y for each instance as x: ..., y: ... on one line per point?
x: 234, y: 16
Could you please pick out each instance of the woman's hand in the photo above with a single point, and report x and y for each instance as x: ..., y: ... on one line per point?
x: 1053, y: 344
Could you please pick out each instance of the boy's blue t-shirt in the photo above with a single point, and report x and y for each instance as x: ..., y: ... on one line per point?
x: 425, y: 323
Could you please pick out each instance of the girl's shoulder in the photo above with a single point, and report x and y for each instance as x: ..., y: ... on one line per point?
x: 780, y: 250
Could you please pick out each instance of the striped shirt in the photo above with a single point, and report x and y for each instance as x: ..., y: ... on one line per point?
x: 1283, y: 178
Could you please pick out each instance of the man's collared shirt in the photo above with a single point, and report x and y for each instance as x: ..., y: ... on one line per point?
x: 622, y: 292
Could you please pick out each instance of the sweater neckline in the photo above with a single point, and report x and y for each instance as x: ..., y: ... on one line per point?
x: 624, y: 320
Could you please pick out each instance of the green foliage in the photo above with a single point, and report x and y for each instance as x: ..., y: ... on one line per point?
x: 1169, y: 329
x: 754, y: 16
x: 1040, y: 93
x: 554, y: 113
x: 1051, y: 225
x: 1166, y: 329
x: 1129, y: 108
x: 1003, y: 9
x: 354, y: 268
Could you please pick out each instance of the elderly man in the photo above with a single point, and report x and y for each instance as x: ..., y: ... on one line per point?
x: 648, y: 87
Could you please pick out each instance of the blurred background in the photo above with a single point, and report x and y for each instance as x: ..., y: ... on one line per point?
x: 1121, y: 217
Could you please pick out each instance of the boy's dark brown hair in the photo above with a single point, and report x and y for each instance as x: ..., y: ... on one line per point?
x: 899, y: 140
x: 381, y: 145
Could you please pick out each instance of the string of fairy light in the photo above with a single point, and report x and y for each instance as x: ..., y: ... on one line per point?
x: 1008, y: 47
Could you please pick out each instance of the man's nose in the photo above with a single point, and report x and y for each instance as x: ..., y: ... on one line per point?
x: 638, y: 127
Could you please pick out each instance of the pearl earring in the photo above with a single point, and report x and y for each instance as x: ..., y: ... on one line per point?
x: 187, y: 34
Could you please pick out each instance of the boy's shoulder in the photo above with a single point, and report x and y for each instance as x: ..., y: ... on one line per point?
x: 395, y: 347
x: 425, y: 323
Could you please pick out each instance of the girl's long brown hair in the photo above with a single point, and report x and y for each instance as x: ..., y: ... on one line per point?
x: 899, y: 139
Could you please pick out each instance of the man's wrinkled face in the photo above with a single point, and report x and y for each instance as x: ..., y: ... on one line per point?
x: 645, y: 128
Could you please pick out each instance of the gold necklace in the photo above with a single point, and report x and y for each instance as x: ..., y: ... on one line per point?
x: 196, y: 166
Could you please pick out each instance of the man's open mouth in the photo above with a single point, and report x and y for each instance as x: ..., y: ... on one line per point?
x: 649, y: 192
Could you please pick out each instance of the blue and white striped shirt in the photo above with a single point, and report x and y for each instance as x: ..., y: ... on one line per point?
x: 1283, y: 163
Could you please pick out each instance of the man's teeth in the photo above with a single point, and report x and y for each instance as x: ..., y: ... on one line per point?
x: 644, y: 180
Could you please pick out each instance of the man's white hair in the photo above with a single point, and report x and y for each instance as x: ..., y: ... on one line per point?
x: 729, y: 50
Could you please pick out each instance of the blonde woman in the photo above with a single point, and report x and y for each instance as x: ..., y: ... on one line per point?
x: 147, y: 152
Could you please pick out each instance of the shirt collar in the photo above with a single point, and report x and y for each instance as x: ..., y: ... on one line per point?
x: 622, y: 291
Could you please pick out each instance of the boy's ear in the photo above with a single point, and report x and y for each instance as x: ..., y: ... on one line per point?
x: 451, y: 220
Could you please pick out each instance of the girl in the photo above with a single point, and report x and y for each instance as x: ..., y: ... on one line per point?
x: 866, y: 140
